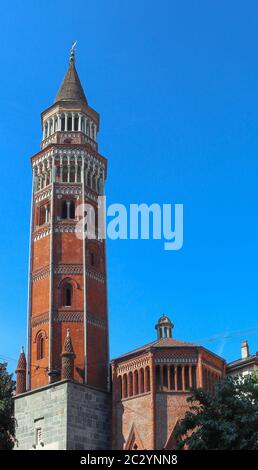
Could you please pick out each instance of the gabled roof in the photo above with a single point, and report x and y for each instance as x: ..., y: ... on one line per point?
x: 71, y: 88
x: 159, y: 343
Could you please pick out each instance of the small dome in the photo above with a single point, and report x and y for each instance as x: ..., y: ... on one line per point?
x: 164, y: 327
x: 164, y: 319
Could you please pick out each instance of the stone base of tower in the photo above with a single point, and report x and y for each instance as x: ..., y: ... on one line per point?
x: 64, y: 416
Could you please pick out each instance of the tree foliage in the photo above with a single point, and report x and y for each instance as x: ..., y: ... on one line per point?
x: 7, y: 421
x: 226, y: 419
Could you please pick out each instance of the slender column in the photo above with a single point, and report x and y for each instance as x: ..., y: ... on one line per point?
x: 61, y: 169
x: 66, y: 120
x: 161, y: 377
x: 199, y: 372
x: 72, y: 121
x: 135, y: 382
x: 183, y: 378
x: 169, y: 377
x: 141, y: 382
x: 190, y: 377
x: 176, y: 385
x: 68, y: 170
x: 58, y: 122
x: 80, y: 123
x: 124, y: 391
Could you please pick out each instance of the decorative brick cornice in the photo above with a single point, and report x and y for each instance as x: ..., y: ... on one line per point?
x: 74, y: 189
x: 78, y: 317
x: 42, y: 233
x: 176, y: 360
x: 135, y: 364
x: 71, y: 316
x: 66, y: 227
x: 93, y: 320
x: 39, y: 319
x: 71, y: 269
x: 99, y: 277
x: 43, y: 194
x: 40, y: 274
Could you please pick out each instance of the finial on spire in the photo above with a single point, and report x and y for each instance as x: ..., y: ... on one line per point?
x: 72, y: 53
x: 22, y: 349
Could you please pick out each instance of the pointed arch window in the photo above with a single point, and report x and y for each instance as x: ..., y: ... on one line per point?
x: 67, y: 297
x: 40, y: 346
x: 64, y: 210
x: 69, y: 123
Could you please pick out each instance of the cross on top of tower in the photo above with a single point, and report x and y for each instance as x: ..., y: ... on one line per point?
x: 71, y: 87
x: 72, y: 52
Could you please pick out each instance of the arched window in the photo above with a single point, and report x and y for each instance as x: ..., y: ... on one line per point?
x: 141, y: 381
x: 120, y: 386
x: 72, y: 210
x: 64, y: 210
x: 124, y: 386
x: 135, y: 383
x: 40, y: 346
x: 65, y: 174
x: 187, y: 379
x: 78, y: 174
x: 165, y: 377
x: 67, y: 295
x: 76, y: 123
x: 194, y: 377
x: 172, y: 377
x: 130, y: 384
x: 179, y: 378
x: 92, y: 259
x: 158, y: 377
x: 62, y: 123
x: 72, y: 174
x: 69, y: 123
x: 147, y: 379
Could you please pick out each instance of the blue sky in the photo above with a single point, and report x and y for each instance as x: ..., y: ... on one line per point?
x: 176, y: 85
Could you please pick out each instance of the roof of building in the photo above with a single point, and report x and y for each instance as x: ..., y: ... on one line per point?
x: 243, y: 361
x: 71, y: 87
x: 159, y: 343
x: 21, y: 361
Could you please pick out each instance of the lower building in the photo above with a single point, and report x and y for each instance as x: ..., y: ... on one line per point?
x: 247, y: 364
x: 151, y: 385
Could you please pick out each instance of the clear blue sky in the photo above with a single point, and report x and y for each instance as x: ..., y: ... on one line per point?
x: 176, y: 85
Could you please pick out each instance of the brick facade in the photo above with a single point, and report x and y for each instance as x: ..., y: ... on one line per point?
x: 150, y: 390
x: 67, y: 274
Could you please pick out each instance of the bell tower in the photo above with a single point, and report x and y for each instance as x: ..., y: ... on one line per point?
x: 67, y: 275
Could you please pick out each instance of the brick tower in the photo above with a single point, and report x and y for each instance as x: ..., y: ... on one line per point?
x: 62, y: 396
x: 67, y: 280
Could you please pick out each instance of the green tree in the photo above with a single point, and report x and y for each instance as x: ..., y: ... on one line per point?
x: 7, y: 421
x: 226, y: 419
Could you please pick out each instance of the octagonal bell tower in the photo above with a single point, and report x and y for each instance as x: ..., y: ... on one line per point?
x: 67, y: 279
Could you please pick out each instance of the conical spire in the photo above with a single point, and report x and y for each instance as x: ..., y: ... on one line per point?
x: 68, y: 346
x: 21, y: 373
x: 71, y: 88
x: 68, y: 356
